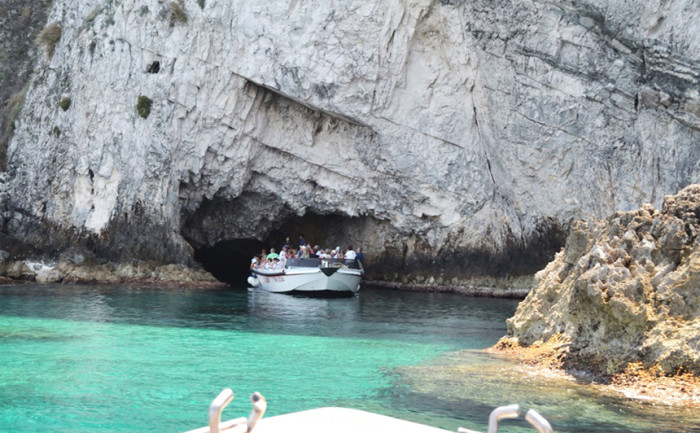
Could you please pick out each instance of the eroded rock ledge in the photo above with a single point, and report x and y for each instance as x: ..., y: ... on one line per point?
x: 72, y: 266
x: 624, y: 291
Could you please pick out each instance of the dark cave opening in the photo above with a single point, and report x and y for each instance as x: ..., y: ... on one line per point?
x: 229, y: 261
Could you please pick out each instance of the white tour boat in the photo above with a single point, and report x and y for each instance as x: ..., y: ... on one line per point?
x: 310, y: 276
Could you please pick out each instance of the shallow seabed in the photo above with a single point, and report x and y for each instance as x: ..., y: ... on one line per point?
x: 127, y: 359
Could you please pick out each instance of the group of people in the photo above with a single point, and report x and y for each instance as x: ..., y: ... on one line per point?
x: 278, y: 259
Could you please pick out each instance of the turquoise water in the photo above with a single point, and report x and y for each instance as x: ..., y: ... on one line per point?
x: 114, y: 359
x: 120, y: 359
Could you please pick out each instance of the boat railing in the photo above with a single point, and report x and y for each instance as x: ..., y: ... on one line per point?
x: 314, y: 262
x: 513, y: 411
x: 237, y: 425
x: 341, y: 263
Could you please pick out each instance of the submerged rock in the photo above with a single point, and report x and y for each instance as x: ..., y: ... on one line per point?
x: 478, y: 381
x: 625, y: 289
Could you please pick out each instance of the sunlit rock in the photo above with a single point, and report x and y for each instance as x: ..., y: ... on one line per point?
x: 644, y: 306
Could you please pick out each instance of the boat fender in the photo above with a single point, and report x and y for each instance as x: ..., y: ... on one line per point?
x: 253, y: 281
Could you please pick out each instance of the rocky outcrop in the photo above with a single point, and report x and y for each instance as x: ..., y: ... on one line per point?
x: 625, y: 289
x: 73, y: 267
x: 449, y: 138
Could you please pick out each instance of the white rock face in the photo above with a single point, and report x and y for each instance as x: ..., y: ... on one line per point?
x: 446, y: 126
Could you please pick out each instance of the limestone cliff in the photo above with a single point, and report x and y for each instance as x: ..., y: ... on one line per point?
x: 625, y: 289
x: 447, y: 137
x: 20, y: 22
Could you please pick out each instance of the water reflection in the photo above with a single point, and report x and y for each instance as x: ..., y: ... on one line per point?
x: 278, y: 306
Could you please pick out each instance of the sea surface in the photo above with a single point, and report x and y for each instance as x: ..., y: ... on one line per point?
x: 130, y: 359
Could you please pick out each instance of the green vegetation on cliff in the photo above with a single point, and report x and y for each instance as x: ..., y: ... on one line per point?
x: 64, y: 103
x: 143, y: 106
x: 178, y: 14
x: 49, y: 37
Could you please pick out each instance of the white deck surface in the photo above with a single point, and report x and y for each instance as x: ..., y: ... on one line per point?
x: 339, y: 420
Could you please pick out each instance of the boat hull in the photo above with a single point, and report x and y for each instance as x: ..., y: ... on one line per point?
x: 309, y: 280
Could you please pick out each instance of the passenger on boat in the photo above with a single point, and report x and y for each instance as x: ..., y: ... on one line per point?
x: 302, y: 241
x: 303, y: 252
x: 254, y: 262
x: 262, y: 259
x: 350, y: 254
x: 360, y: 257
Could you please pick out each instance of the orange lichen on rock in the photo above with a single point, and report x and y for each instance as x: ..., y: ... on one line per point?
x: 549, y: 359
x: 548, y: 354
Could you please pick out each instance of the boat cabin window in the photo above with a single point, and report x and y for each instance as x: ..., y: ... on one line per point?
x: 317, y: 263
x: 304, y: 263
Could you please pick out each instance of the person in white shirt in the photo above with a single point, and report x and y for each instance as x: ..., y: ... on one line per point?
x: 350, y: 254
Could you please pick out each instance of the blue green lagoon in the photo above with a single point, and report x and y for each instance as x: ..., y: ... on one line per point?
x: 77, y: 358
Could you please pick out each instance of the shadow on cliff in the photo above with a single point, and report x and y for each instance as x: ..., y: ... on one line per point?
x: 388, y: 256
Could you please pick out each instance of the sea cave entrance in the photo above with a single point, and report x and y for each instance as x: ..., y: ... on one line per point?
x: 229, y: 260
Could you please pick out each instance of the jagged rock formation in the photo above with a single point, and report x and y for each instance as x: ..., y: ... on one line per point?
x: 449, y: 138
x: 624, y: 289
